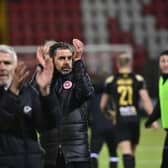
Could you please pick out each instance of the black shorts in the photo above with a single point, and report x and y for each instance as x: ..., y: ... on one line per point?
x: 101, y: 137
x: 128, y: 131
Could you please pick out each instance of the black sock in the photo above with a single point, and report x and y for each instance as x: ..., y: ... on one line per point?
x: 113, y: 164
x: 129, y: 161
x: 94, y: 163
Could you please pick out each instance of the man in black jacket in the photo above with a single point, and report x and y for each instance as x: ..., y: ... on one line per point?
x: 20, y: 114
x: 67, y: 144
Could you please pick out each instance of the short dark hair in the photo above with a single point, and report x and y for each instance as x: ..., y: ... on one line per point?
x: 165, y: 52
x: 60, y: 45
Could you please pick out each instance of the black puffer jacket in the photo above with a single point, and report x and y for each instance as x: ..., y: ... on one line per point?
x: 20, y: 118
x: 70, y: 133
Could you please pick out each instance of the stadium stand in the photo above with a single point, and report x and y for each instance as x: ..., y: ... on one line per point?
x: 3, y: 23
x: 142, y: 24
x: 33, y: 21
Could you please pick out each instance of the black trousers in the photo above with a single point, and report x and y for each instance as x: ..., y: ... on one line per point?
x: 165, y: 153
x: 60, y: 163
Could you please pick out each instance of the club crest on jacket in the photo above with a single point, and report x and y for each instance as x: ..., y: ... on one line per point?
x: 27, y: 109
x: 67, y: 84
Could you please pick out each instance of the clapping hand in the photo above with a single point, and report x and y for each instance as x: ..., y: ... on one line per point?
x: 44, y: 75
x: 42, y: 54
x: 79, y: 49
x: 20, y: 75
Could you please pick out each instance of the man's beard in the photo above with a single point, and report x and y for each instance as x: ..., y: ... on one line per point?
x: 67, y: 71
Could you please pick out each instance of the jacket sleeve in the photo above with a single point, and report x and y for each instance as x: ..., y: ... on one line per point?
x: 51, y: 110
x: 47, y: 111
x: 9, y: 105
x: 84, y: 86
x: 154, y: 116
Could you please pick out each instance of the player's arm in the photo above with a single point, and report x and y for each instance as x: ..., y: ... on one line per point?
x: 104, y: 106
x: 104, y: 102
x: 105, y: 99
x: 147, y: 103
x: 154, y: 116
